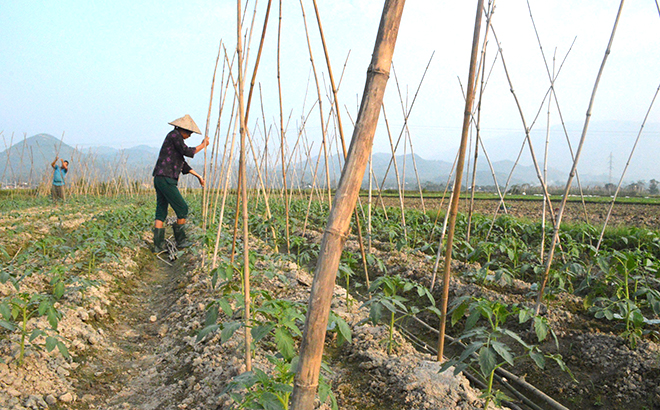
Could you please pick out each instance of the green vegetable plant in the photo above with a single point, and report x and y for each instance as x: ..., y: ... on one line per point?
x: 491, y: 345
x: 259, y: 390
x: 18, y: 310
x: 624, y: 304
x: 387, y: 301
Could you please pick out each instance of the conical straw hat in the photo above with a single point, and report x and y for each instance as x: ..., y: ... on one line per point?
x: 187, y: 123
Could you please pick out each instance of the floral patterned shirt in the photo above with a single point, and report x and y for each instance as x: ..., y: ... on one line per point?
x: 170, y: 159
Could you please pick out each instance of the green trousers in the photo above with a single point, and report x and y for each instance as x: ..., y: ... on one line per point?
x: 167, y: 193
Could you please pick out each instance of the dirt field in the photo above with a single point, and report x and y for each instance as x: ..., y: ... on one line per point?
x: 640, y: 215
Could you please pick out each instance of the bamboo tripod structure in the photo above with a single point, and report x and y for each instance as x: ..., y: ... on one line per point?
x: 555, y: 236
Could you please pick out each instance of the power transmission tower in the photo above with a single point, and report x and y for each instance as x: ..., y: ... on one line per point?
x: 611, y: 166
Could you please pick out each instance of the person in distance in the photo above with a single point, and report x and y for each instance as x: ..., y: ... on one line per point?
x: 59, y: 172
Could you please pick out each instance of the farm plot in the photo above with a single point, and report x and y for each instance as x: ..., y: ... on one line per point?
x: 91, y: 319
x: 108, y: 325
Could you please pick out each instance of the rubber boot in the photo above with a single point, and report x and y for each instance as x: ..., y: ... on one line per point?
x: 180, y: 236
x: 159, y: 239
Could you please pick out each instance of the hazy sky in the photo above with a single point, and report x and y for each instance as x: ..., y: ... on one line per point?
x: 115, y: 73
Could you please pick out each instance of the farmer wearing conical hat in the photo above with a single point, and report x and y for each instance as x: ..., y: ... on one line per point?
x: 170, y: 164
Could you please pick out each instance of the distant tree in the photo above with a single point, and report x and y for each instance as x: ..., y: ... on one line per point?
x: 610, y: 188
x: 653, y: 187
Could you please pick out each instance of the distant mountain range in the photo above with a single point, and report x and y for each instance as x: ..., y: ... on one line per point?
x: 27, y: 162
x: 606, y: 151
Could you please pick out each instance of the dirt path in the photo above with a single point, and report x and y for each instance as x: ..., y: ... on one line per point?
x: 133, y: 373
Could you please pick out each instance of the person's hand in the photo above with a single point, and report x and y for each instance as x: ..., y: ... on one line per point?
x: 201, y: 181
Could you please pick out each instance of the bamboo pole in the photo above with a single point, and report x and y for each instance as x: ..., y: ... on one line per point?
x: 206, y: 134
x: 225, y: 170
x: 545, y: 165
x: 242, y: 168
x: 8, y: 151
x: 311, y: 349
x: 555, y: 236
x: 396, y: 174
x: 459, y: 176
x: 552, y: 79
x: 405, y: 123
x: 482, y: 70
x: 324, y: 142
x: 371, y: 172
x: 546, y: 195
x: 224, y: 198
x: 256, y: 162
x: 282, y: 135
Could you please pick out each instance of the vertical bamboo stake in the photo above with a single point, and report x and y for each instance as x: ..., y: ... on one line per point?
x: 396, y: 173
x: 206, y: 134
x: 8, y: 151
x: 320, y: 102
x: 282, y: 135
x: 482, y: 70
x: 371, y: 171
x: 555, y: 236
x: 241, y: 162
x: 339, y: 125
x: 311, y: 349
x: 224, y: 197
x: 545, y: 167
x: 459, y: 176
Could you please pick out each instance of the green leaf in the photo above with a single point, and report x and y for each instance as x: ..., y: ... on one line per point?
x: 473, y: 347
x: 344, y: 332
x: 44, y: 305
x: 458, y: 313
x: 5, y: 311
x: 269, y: 401
x: 388, y: 305
x: 437, y: 312
x: 211, y: 315
x: 51, y: 343
x: 35, y: 334
x: 541, y: 328
x: 52, y: 318
x: 375, y: 313
x: 225, y: 306
x: 261, y: 331
x: 207, y: 330
x: 63, y: 350
x: 538, y: 358
x: 9, y: 326
x: 524, y: 315
x: 472, y: 319
x: 504, y: 351
x: 487, y: 360
x: 284, y: 343
x: 515, y: 337
x: 637, y: 318
x: 608, y: 314
x: 58, y: 290
x: 228, y: 330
